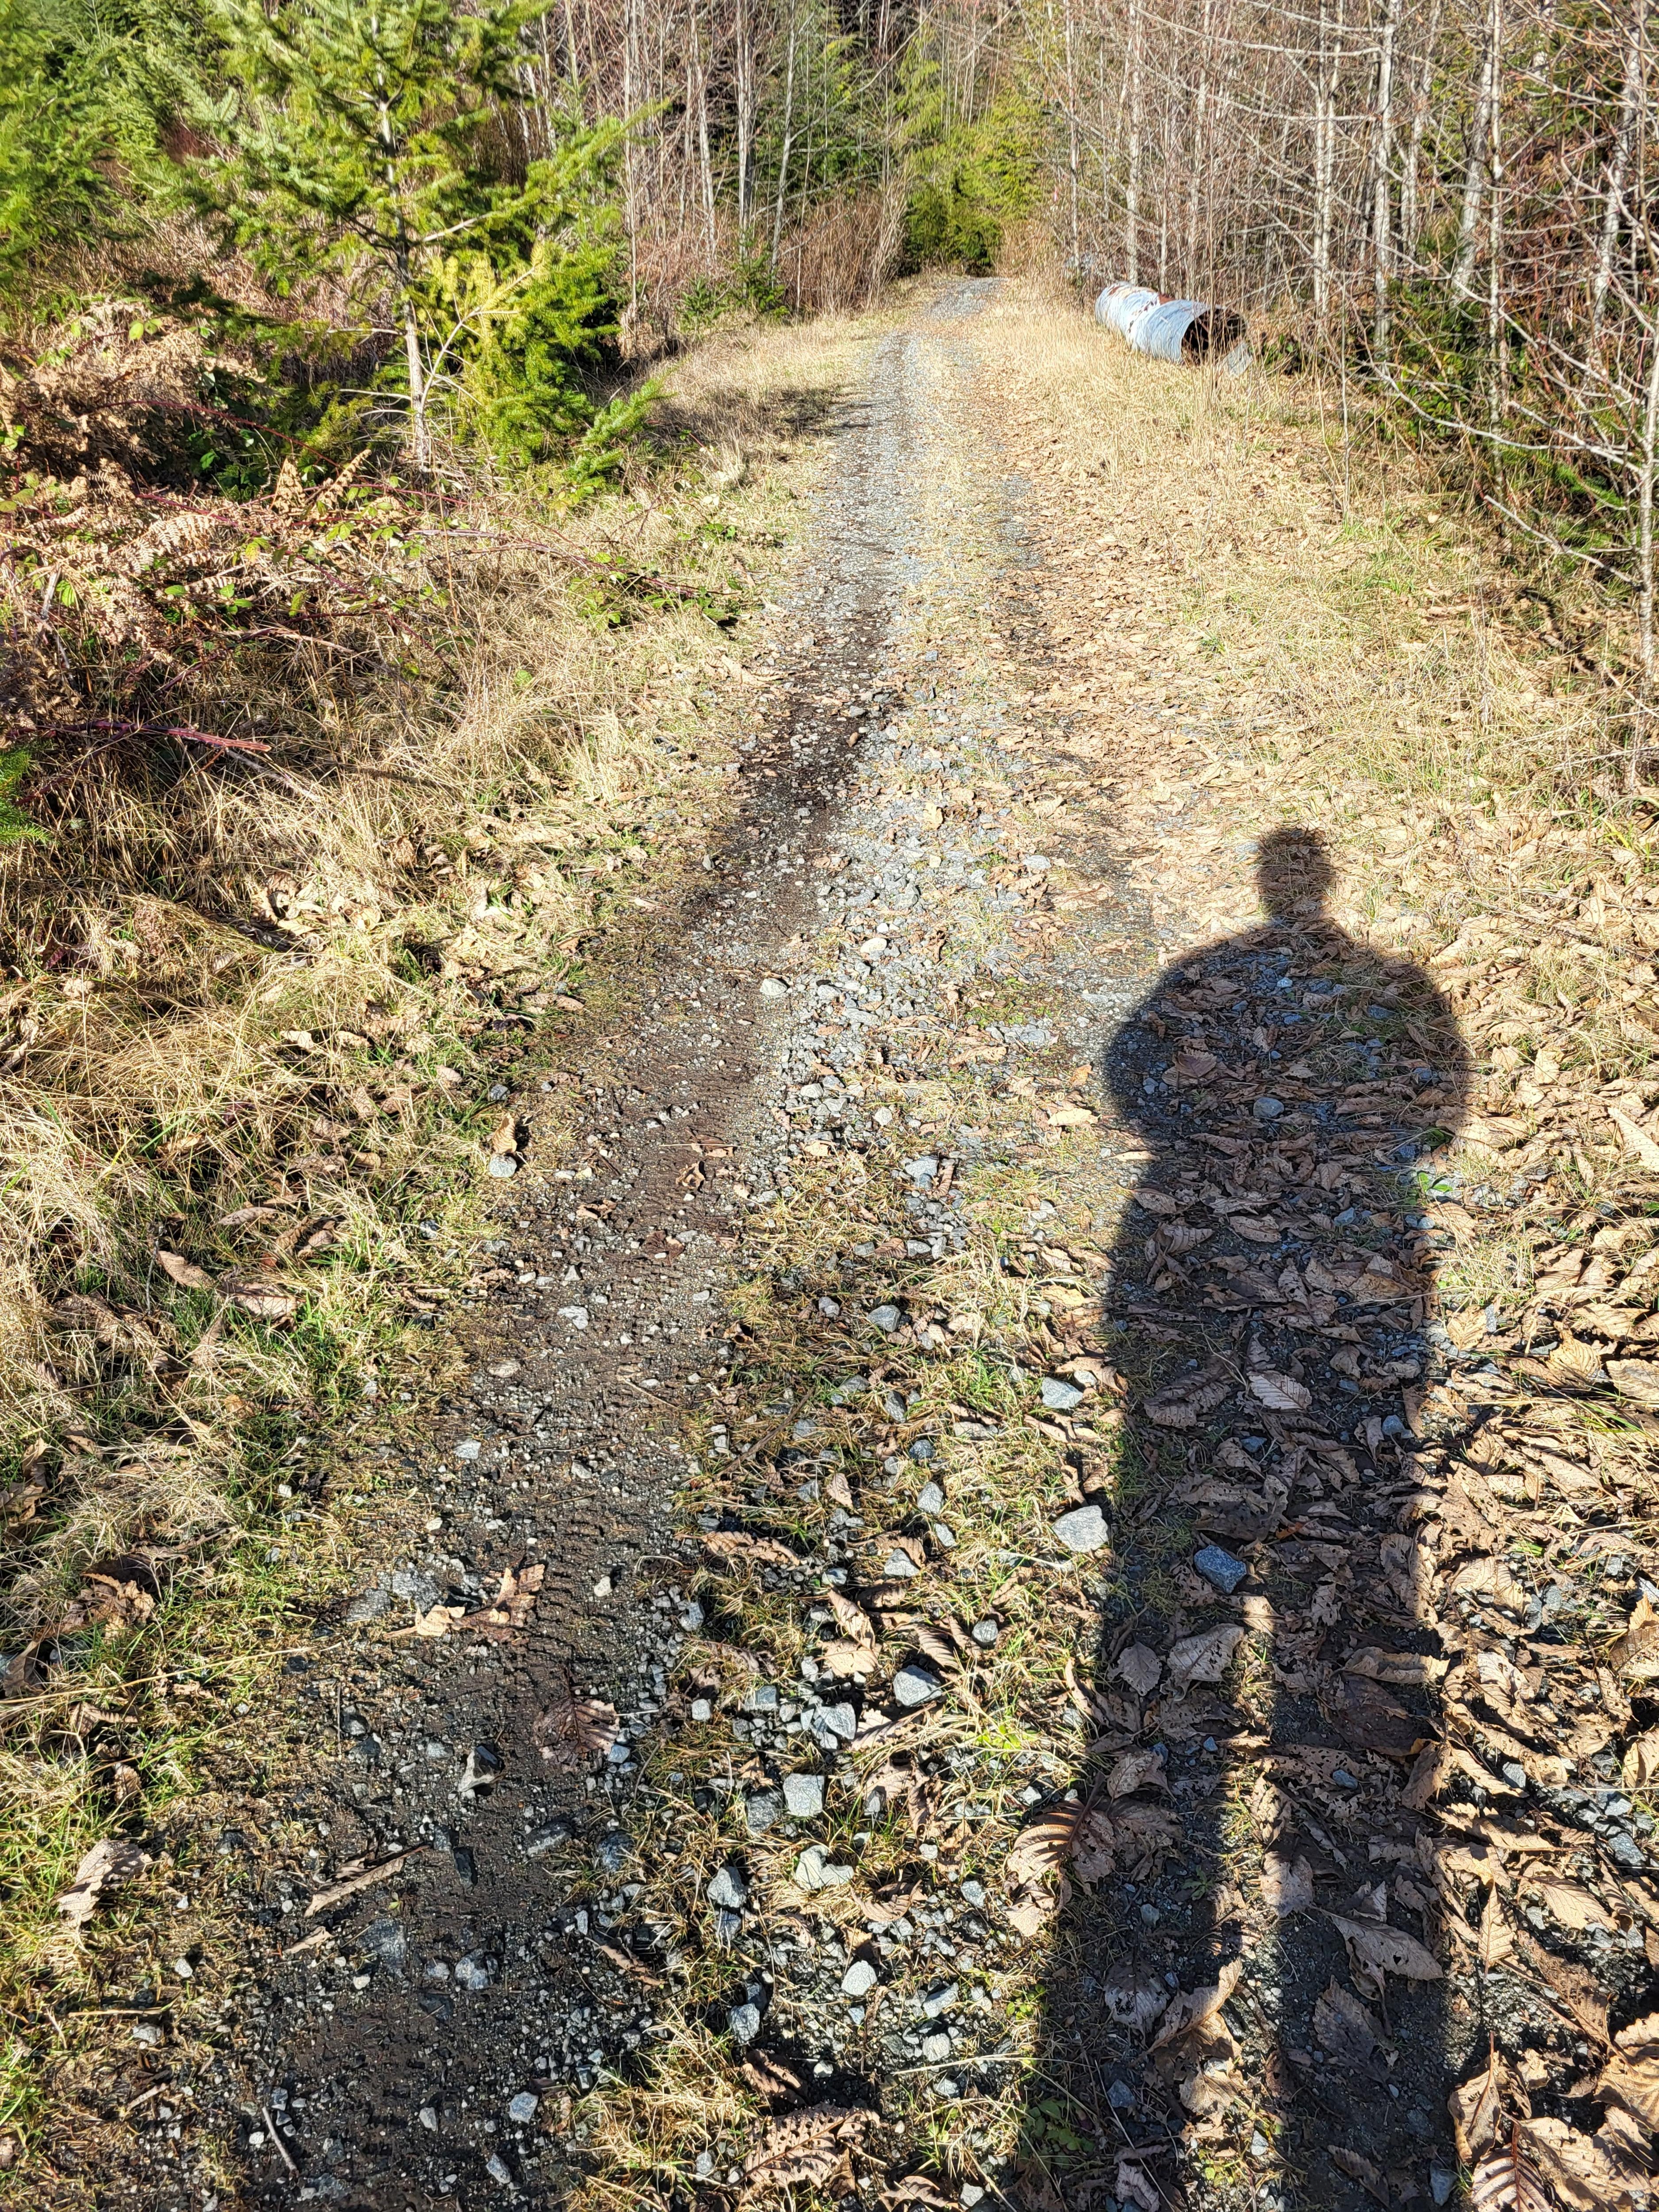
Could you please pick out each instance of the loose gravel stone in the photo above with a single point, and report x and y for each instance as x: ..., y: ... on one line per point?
x: 859, y: 1979
x: 728, y: 1889
x: 803, y: 1796
x: 1083, y: 1529
x: 1220, y: 1568
x: 914, y: 1685
x: 760, y: 1810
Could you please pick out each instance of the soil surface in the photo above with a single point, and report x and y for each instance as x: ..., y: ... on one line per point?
x: 960, y: 1362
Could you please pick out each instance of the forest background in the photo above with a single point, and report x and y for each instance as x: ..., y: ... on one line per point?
x: 397, y: 223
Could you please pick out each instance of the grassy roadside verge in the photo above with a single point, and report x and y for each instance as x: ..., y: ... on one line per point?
x: 249, y: 1121
x: 1349, y: 649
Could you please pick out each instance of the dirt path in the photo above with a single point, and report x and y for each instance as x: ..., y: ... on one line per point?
x: 565, y: 1451
x: 970, y: 1374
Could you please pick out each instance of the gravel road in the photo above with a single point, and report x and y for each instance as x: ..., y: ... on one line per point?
x: 385, y: 2059
x: 879, y: 1048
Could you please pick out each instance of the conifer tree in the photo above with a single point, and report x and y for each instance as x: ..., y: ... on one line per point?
x: 356, y: 136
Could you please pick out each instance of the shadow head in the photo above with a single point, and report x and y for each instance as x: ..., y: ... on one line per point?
x: 1294, y: 872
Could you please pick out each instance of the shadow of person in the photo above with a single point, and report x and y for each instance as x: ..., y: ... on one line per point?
x: 1241, y: 1991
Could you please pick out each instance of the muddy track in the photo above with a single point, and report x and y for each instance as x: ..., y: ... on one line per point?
x: 385, y: 2055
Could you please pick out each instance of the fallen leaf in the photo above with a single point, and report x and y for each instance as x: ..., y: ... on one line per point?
x: 87, y: 1314
x: 1384, y: 1950
x: 1603, y: 2172
x: 437, y: 1620
x: 1405, y: 1669
x: 1636, y: 1653
x: 1182, y: 1405
x: 1192, y: 1064
x: 1188, y: 2009
x: 504, y: 1137
x: 1490, y: 1577
x: 1140, y: 1668
x: 769, y: 2075
x: 918, y: 2189
x: 122, y: 1593
x: 265, y: 1301
x: 1635, y: 1379
x: 1183, y: 1236
x: 1361, y: 2169
x: 1575, y: 1908
x: 514, y: 1601
x: 1366, y: 1717
x: 1042, y: 1845
x: 940, y: 1649
x: 1135, y: 1770
x: 1631, y: 2077
x: 104, y: 1866
x: 574, y: 1731
x: 1287, y: 1885
x: 1495, y: 1940
x: 1510, y: 2182
x: 1135, y: 1999
x: 800, y: 2149
x: 1032, y: 1915
x: 1280, y: 1394
x: 1344, y: 2026
x: 183, y: 1272
x: 1205, y: 1658
x: 1638, y: 1143
x: 1135, y: 2185
x: 733, y: 1544
x: 1135, y: 1831
x: 1476, y: 2108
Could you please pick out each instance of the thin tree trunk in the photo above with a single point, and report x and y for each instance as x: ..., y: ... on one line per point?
x: 1475, y: 162
x: 1630, y: 108
x: 745, y: 92
x: 571, y: 65
x: 1644, y: 554
x: 1330, y: 63
x: 1498, y: 329
x: 1132, y: 197
x: 783, y: 157
x: 420, y: 445
x: 1201, y: 139
x: 1071, y: 151
x: 1163, y: 214
x: 1382, y: 178
x: 1408, y: 181
x: 704, y: 156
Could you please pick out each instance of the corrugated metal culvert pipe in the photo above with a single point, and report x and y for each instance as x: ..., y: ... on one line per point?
x: 1170, y: 330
